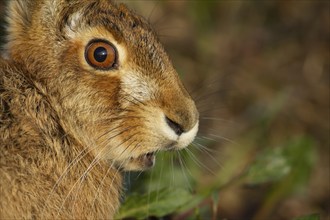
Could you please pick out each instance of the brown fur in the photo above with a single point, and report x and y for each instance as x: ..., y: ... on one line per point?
x: 68, y: 130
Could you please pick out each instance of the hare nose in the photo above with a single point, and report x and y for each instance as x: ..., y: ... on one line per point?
x: 177, y: 128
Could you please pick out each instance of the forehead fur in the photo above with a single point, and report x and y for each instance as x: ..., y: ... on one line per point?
x: 127, y: 27
x: 54, y: 17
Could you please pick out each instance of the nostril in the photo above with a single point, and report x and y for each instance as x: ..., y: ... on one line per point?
x: 175, y: 126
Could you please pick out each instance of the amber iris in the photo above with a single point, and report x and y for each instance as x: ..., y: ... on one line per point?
x: 101, y: 55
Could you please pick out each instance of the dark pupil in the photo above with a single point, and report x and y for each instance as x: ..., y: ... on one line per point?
x: 100, y: 54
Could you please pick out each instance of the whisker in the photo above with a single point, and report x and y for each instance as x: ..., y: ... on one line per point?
x: 70, y: 191
x: 83, y: 177
x: 137, y: 177
x: 109, y: 131
x: 122, y: 132
x: 219, y: 137
x: 202, y: 146
x: 209, y: 84
x: 209, y: 108
x: 200, y: 164
x: 75, y: 161
x: 96, y: 159
x: 159, y: 20
x: 137, y: 102
x: 106, y: 121
x: 152, y: 11
x: 94, y: 162
x: 183, y: 166
x: 172, y: 162
x: 149, y: 191
x: 159, y: 180
x: 100, y: 185
x: 132, y: 136
x: 204, y: 149
x: 217, y: 119
x: 224, y: 138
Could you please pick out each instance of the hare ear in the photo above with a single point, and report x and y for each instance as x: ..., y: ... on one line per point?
x: 19, y: 15
x: 18, y: 18
x: 19, y: 12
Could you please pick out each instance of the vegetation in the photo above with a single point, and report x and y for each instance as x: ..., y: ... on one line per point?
x: 259, y: 72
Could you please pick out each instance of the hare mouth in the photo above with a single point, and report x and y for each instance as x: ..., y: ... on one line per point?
x: 149, y: 159
x: 146, y: 160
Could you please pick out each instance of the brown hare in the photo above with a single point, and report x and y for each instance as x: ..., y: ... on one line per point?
x: 86, y: 92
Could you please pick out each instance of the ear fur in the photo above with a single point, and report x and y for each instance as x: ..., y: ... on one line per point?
x: 21, y: 15
x: 18, y: 16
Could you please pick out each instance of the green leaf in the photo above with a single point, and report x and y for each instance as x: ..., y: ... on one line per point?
x: 296, y: 158
x: 309, y: 217
x: 157, y: 203
x: 299, y: 154
x: 271, y: 165
x: 193, y: 202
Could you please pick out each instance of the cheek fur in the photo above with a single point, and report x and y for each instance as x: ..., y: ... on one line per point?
x: 137, y: 86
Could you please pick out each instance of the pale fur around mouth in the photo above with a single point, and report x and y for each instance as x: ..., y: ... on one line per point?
x: 182, y: 141
x: 149, y: 159
x: 171, y: 141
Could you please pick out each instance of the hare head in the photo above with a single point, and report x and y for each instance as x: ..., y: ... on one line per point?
x: 106, y: 75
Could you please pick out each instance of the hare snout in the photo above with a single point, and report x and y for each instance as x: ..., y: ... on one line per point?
x: 175, y: 132
x: 173, y: 114
x: 167, y: 117
x: 159, y: 134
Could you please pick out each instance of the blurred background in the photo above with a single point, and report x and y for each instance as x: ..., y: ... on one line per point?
x: 259, y: 73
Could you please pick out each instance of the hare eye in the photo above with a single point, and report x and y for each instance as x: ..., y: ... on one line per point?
x: 101, y: 54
